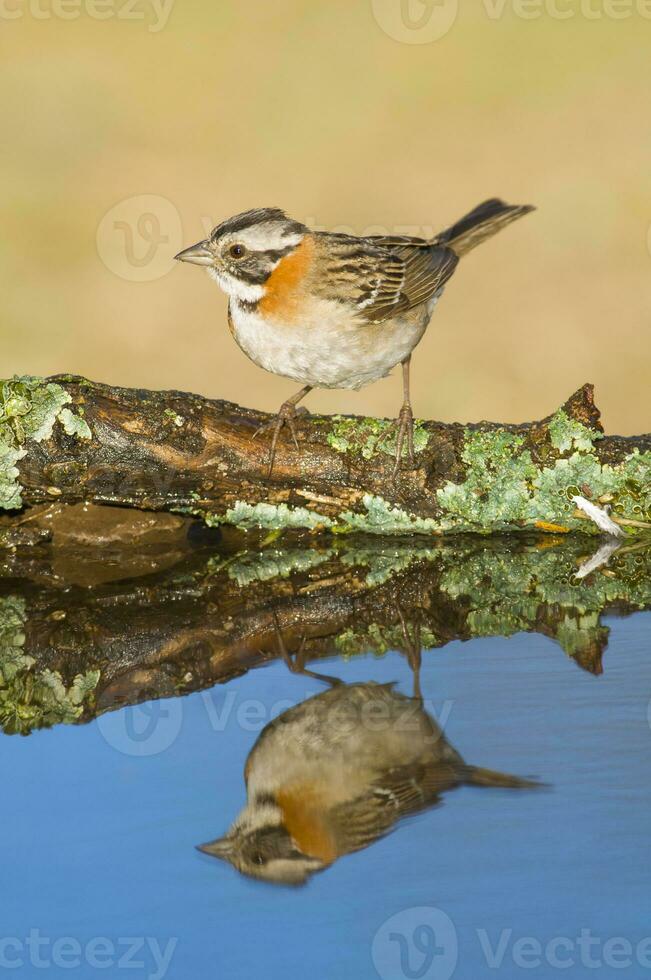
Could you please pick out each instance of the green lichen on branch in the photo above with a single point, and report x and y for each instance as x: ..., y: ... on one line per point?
x: 384, y: 563
x: 31, y: 699
x: 29, y: 409
x: 74, y: 425
x: 503, y: 487
x: 269, y: 563
x: 495, y: 492
x: 381, y: 517
x: 566, y: 433
x: 509, y: 482
x: 379, y: 640
x: 506, y: 590
x: 368, y: 436
x: 273, y: 516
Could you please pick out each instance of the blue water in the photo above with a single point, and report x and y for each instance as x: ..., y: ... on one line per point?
x: 98, y: 842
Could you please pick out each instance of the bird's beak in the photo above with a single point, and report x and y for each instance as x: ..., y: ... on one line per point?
x: 199, y: 254
x: 220, y: 848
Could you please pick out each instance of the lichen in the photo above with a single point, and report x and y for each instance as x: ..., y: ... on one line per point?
x: 382, y: 518
x: 505, y: 588
x: 10, y: 498
x: 29, y: 409
x: 271, y: 563
x: 495, y: 493
x: 566, y: 433
x: 385, y: 562
x: 379, y: 640
x: 503, y: 488
x: 174, y: 417
x: 32, y: 699
x: 273, y: 516
x: 632, y: 493
x: 555, y: 486
x: 368, y: 436
x: 75, y: 425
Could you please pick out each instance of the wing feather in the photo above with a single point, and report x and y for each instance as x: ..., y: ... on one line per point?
x: 397, y: 793
x: 383, y: 276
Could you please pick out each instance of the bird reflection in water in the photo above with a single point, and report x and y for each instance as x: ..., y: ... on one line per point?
x: 334, y: 774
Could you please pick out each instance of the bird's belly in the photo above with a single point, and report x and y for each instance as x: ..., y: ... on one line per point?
x: 329, y: 349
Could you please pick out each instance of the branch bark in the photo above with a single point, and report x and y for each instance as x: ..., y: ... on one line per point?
x: 69, y: 440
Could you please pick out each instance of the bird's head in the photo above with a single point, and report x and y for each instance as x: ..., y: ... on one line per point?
x: 267, y: 852
x: 243, y: 251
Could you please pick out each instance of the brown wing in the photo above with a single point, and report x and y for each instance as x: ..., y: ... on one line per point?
x: 382, y: 276
x: 396, y: 794
x: 426, y: 270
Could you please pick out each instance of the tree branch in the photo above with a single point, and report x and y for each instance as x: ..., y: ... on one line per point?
x: 70, y: 440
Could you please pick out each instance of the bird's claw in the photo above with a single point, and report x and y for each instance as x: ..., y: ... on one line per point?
x: 405, y: 428
x: 285, y: 417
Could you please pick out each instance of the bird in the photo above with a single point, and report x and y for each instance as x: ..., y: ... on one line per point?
x: 332, y: 310
x: 334, y: 774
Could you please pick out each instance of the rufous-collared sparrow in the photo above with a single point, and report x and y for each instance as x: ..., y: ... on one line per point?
x: 337, y: 772
x: 332, y: 310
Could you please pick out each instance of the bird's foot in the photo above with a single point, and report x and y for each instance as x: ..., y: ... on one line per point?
x: 286, y: 417
x: 413, y: 649
x: 296, y: 663
x: 404, y: 428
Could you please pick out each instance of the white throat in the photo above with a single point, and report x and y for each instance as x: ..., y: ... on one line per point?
x: 235, y: 288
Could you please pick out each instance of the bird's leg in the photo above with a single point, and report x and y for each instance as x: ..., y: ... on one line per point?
x: 413, y: 649
x: 297, y: 663
x: 403, y: 425
x: 286, y: 415
x: 405, y: 421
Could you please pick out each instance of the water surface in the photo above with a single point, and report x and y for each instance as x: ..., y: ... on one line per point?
x: 141, y: 683
x: 101, y: 820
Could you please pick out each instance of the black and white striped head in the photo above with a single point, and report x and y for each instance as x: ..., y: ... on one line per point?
x: 259, y: 845
x: 242, y: 252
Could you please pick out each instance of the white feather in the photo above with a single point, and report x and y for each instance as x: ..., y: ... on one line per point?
x: 235, y: 287
x: 599, y: 516
x: 270, y: 235
x: 600, y: 558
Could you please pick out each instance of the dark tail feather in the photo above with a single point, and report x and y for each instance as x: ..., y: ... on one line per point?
x: 486, y: 220
x: 475, y: 776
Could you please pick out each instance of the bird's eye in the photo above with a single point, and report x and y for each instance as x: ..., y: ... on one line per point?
x: 258, y: 859
x: 237, y: 251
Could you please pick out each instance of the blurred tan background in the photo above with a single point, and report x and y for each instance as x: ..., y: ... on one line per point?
x: 124, y: 138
